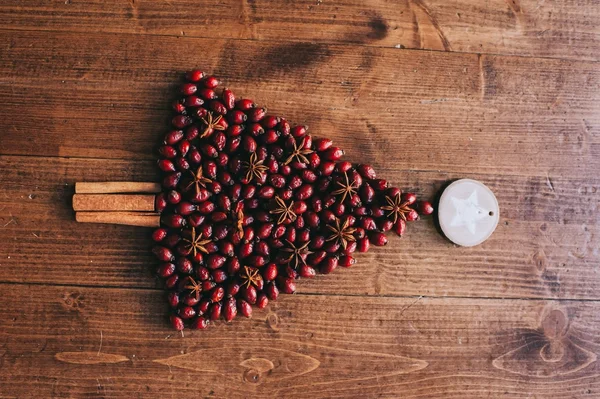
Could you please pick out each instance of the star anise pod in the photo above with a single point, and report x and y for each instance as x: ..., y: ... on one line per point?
x: 396, y: 208
x: 254, y: 167
x: 346, y: 188
x: 198, y: 180
x: 297, y: 254
x: 299, y: 154
x: 195, y: 287
x: 211, y: 124
x: 284, y: 211
x: 341, y: 233
x: 251, y: 276
x: 195, y: 243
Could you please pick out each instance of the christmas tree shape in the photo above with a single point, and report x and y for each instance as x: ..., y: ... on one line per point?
x: 247, y: 204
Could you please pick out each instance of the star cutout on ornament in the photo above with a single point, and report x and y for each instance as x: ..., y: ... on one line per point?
x: 468, y: 212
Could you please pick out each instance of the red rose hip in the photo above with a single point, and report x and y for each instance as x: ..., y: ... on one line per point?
x: 244, y: 308
x: 177, y: 323
x: 425, y: 208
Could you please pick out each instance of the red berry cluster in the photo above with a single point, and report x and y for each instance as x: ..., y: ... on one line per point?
x: 250, y: 204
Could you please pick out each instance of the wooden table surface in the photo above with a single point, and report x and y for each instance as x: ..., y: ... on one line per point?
x: 503, y: 91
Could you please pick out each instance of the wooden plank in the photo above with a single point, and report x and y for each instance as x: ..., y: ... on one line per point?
x: 416, y: 110
x: 75, y: 342
x: 523, y: 27
x: 544, y: 247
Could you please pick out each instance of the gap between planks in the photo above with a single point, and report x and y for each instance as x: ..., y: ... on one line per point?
x: 152, y: 167
x: 417, y: 298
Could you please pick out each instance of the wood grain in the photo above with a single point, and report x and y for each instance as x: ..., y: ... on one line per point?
x: 566, y: 29
x: 413, y: 110
x: 544, y: 247
x: 78, y: 342
x: 510, y: 96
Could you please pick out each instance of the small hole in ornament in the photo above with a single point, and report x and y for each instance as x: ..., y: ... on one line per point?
x: 491, y: 213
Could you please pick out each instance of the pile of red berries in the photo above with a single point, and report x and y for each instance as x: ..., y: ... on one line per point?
x: 251, y: 203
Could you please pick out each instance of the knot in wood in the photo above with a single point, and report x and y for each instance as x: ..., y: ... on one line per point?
x: 273, y: 321
x: 252, y: 376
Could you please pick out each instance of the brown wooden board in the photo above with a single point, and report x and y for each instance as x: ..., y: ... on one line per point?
x: 510, y: 96
x: 107, y: 96
x: 544, y: 247
x: 92, y: 342
x: 523, y: 27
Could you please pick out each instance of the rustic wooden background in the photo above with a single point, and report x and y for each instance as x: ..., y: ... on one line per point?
x: 504, y: 91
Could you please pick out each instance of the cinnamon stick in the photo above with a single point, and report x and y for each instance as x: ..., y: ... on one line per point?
x: 116, y: 187
x: 143, y: 219
x: 113, y: 202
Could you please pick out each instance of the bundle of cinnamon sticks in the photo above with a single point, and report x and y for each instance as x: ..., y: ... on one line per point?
x: 129, y: 203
